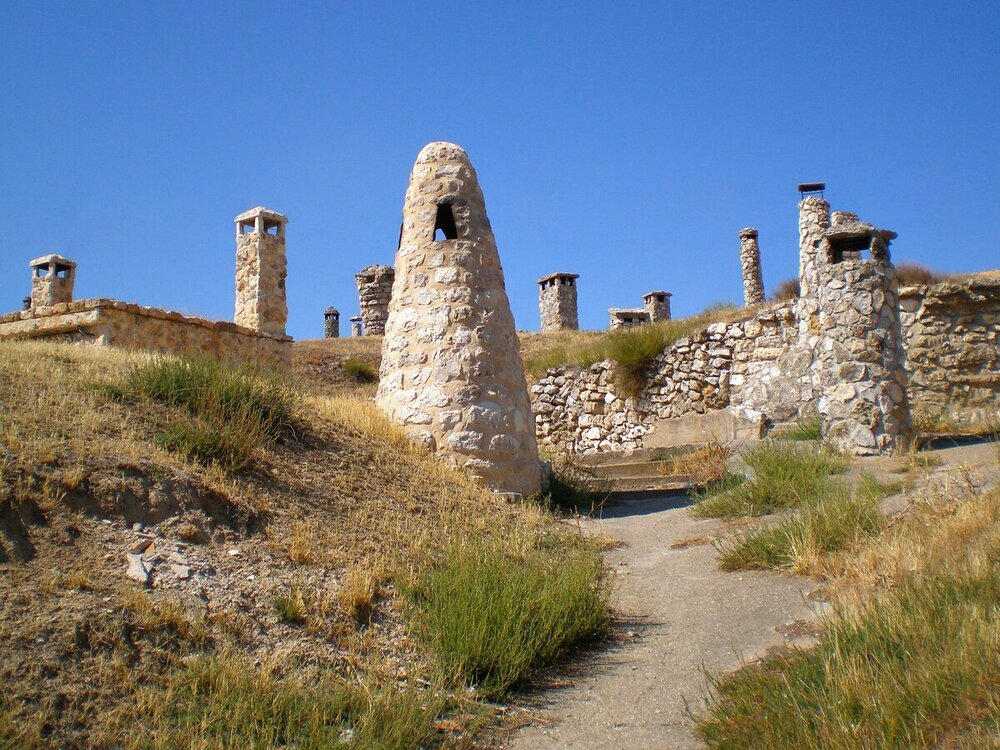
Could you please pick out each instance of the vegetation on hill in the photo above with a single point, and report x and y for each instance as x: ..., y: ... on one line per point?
x: 293, y: 593
x: 910, y: 650
x: 632, y: 349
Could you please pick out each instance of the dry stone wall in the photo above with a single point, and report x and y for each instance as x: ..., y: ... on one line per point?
x: 374, y: 292
x: 951, y: 334
x: 584, y: 411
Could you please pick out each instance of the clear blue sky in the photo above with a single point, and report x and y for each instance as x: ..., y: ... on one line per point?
x: 625, y: 142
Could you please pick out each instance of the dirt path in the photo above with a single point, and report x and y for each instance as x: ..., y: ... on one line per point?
x: 684, y: 614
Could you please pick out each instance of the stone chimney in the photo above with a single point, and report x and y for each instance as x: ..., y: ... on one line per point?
x: 331, y: 323
x: 374, y: 292
x: 557, y: 302
x: 451, y: 373
x: 860, y: 361
x: 356, y: 329
x: 657, y: 304
x: 753, y: 281
x: 52, y: 278
x: 261, y: 303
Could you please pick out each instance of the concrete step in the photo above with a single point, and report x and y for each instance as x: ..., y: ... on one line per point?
x: 647, y: 484
x: 633, y: 469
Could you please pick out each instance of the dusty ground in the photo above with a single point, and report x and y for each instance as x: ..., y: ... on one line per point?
x: 683, y: 615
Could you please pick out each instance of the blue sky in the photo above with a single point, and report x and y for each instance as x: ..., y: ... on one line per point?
x: 626, y: 142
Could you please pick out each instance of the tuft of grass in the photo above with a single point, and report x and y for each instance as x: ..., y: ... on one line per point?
x: 786, y: 290
x: 804, y: 428
x: 358, y: 591
x: 909, y: 273
x: 232, y: 409
x: 149, y: 614
x: 359, y: 371
x: 779, y: 477
x: 913, y: 665
x: 491, y: 616
x: 291, y: 607
x: 837, y: 519
x: 223, y: 701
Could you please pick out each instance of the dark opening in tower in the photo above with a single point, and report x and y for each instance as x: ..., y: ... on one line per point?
x: 445, y: 223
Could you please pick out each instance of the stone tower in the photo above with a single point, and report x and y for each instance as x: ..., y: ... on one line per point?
x: 860, y: 361
x: 374, y: 292
x: 451, y: 371
x: 557, y: 302
x: 52, y: 278
x: 260, y: 271
x: 331, y: 323
x: 657, y: 304
x: 753, y: 281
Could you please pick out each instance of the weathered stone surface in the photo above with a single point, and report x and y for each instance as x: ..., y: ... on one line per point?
x: 331, y: 323
x: 657, y: 305
x: 374, y: 292
x: 753, y: 281
x: 468, y: 402
x: 557, y: 302
x: 52, y: 279
x: 114, y: 323
x: 261, y: 303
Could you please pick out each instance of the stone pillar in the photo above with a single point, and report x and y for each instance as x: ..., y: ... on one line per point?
x: 356, y: 329
x: 260, y: 271
x: 753, y: 280
x: 26, y: 303
x: 451, y: 373
x: 557, y: 302
x: 814, y: 219
x: 331, y: 323
x: 374, y: 292
x: 657, y: 305
x: 52, y: 278
x: 860, y: 360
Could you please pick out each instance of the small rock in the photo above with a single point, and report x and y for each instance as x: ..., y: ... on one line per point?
x: 137, y: 526
x: 233, y: 552
x: 138, y: 569
x: 252, y: 577
x: 141, y: 546
x: 183, y: 572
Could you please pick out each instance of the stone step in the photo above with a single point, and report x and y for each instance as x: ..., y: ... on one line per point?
x: 648, y: 484
x: 633, y: 469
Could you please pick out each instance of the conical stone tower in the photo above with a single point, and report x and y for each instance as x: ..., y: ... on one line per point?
x: 451, y: 372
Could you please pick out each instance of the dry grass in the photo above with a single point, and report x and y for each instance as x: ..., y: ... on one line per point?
x: 632, y: 348
x: 147, y: 613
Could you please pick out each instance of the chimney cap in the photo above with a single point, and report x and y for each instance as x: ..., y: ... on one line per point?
x: 810, y: 188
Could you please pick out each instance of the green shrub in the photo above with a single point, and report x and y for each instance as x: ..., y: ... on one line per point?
x: 917, y: 670
x: 359, y: 371
x: 232, y: 409
x: 224, y: 702
x: 491, y: 617
x: 779, y: 477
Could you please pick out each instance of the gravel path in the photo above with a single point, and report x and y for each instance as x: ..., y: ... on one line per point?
x: 682, y: 614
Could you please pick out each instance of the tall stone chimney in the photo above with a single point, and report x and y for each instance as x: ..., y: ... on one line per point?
x: 52, y: 278
x: 557, y: 302
x: 331, y: 323
x: 753, y: 281
x: 261, y: 303
x: 657, y: 304
x: 451, y: 373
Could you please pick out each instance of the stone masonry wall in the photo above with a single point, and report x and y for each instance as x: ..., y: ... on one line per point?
x: 110, y: 322
x: 951, y: 334
x: 374, y: 293
x: 582, y: 411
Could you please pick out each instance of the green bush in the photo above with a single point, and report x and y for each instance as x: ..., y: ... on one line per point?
x: 232, y: 409
x: 224, y: 702
x: 779, y: 477
x: 359, y: 371
x: 491, y: 617
x: 291, y: 607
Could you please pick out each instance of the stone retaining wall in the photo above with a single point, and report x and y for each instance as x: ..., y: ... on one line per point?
x: 762, y: 367
x: 951, y: 333
x: 111, y: 322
